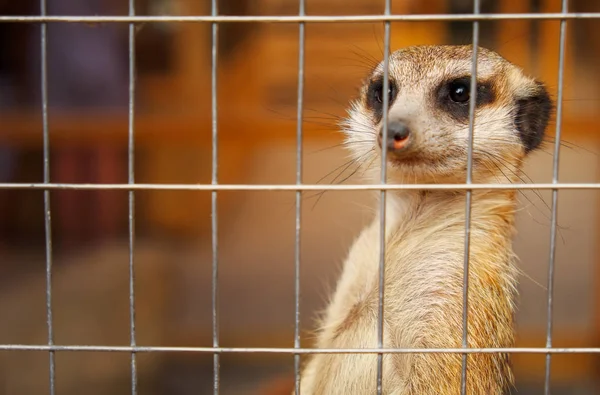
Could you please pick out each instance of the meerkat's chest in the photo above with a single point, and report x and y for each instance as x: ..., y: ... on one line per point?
x: 413, y: 262
x: 352, y: 318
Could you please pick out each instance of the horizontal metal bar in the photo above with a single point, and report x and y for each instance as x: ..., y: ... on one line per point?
x: 298, y: 18
x: 283, y: 350
x: 293, y: 187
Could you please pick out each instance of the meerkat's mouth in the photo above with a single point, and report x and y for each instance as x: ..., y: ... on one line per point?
x: 395, y: 144
x: 401, y: 151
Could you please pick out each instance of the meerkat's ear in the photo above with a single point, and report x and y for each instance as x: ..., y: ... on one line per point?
x: 532, y: 115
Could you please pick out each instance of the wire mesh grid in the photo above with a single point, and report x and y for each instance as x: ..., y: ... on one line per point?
x: 214, y: 187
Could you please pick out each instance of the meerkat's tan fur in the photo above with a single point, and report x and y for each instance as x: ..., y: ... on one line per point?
x: 425, y: 233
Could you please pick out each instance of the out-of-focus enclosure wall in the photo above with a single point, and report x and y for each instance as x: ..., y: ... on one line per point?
x: 257, y: 82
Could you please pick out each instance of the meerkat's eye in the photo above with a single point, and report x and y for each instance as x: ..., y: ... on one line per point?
x: 459, y: 92
x: 379, y: 94
x: 374, y: 95
x: 453, y: 95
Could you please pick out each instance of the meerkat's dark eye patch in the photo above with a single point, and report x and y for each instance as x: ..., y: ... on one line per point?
x: 532, y: 116
x: 453, y: 96
x: 374, y: 99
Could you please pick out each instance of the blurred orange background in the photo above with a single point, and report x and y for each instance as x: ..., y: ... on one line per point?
x: 257, y: 98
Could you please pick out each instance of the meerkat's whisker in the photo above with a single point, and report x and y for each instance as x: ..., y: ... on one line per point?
x: 322, y: 193
x: 344, y: 166
x: 498, y: 162
x: 570, y: 145
x: 342, y: 144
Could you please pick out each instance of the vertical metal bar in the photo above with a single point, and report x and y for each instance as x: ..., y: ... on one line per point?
x: 552, y: 258
x: 384, y: 120
x: 301, y: 46
x: 468, y: 197
x: 47, y: 209
x: 214, y: 181
x: 131, y: 180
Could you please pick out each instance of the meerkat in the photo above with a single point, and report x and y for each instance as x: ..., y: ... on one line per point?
x: 427, y: 143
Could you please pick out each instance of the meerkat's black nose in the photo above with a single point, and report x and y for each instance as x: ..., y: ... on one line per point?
x: 397, y: 135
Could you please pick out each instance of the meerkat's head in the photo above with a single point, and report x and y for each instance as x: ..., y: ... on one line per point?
x: 428, y: 116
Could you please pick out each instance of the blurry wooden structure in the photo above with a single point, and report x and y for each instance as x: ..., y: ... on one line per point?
x: 257, y: 82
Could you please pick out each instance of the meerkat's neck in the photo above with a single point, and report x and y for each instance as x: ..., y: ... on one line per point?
x: 428, y: 208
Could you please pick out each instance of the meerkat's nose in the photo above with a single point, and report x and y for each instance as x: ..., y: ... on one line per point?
x: 397, y: 135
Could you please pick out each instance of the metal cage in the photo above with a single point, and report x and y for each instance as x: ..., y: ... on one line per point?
x: 299, y: 187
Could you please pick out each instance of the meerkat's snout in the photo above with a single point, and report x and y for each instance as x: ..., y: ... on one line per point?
x: 398, y: 136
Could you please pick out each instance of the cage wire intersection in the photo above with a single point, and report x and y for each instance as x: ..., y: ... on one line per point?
x: 214, y: 187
